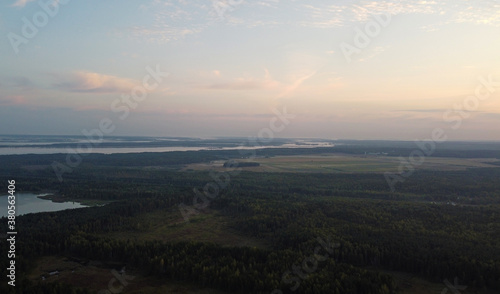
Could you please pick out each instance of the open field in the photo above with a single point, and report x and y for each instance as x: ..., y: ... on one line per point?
x: 343, y: 163
x: 169, y: 226
x: 86, y: 274
x: 97, y: 276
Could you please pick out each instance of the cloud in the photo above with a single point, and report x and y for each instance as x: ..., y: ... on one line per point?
x: 244, y: 84
x: 19, y: 82
x: 21, y: 3
x: 266, y: 83
x: 450, y: 11
x: 423, y: 110
x: 89, y: 82
x: 170, y: 21
x: 173, y: 20
x: 376, y: 51
x: 12, y: 100
x: 289, y: 89
x: 163, y: 34
x: 491, y: 115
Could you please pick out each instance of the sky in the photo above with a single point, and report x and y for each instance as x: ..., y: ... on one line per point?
x: 340, y: 69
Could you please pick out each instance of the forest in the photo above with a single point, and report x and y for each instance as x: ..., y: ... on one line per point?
x: 320, y: 232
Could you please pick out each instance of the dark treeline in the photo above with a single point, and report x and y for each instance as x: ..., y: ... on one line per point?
x: 473, y: 186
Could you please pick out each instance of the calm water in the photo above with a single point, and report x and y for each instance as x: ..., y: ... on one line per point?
x: 38, y: 150
x: 30, y: 203
x: 12, y: 144
x: 111, y: 150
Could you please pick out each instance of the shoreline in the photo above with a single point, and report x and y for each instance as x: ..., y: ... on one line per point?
x: 54, y: 197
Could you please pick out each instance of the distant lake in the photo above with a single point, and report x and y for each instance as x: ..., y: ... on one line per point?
x: 114, y: 150
x: 41, y: 150
x: 30, y: 203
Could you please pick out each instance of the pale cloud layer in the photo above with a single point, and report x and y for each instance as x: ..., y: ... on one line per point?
x: 91, y: 82
x: 453, y: 11
x: 171, y: 16
x: 12, y: 100
x: 21, y: 3
x: 232, y: 62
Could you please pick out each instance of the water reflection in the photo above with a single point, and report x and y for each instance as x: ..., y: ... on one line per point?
x: 30, y: 203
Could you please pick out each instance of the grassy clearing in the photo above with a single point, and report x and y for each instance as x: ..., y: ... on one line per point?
x: 96, y: 276
x: 341, y: 163
x: 91, y: 274
x: 170, y: 226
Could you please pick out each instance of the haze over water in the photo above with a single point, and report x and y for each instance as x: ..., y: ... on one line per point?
x: 15, y: 145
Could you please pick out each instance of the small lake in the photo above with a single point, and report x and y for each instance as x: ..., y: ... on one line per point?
x: 30, y: 203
